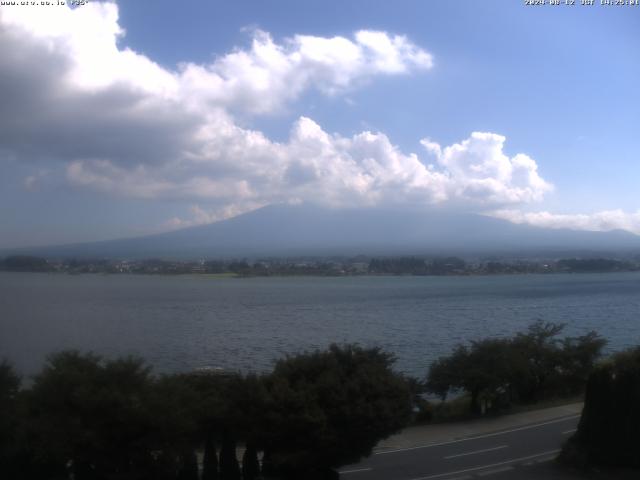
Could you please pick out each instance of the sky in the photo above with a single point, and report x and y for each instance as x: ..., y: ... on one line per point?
x: 120, y: 119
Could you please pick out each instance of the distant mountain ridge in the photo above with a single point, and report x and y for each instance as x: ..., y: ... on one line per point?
x: 304, y: 230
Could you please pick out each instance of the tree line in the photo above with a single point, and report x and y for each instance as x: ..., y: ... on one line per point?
x: 361, y: 265
x: 90, y: 418
x: 86, y: 417
x: 526, y: 368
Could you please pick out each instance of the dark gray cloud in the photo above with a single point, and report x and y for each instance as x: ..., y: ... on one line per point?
x: 44, y: 116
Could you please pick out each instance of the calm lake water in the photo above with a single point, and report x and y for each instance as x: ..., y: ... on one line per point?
x: 184, y: 322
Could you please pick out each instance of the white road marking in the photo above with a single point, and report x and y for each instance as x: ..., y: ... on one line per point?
x: 483, y: 467
x: 564, y: 419
x: 477, y: 451
x: 544, y: 460
x: 567, y: 432
x: 495, y: 470
x: 357, y: 470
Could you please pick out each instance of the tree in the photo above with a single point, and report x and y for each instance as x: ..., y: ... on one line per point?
x: 579, y: 355
x: 210, y: 460
x: 489, y: 372
x: 250, y: 464
x: 444, y: 373
x: 609, y: 429
x: 90, y: 412
x: 188, y: 466
x: 229, y: 467
x: 483, y: 370
x: 538, y: 360
x: 592, y: 265
x: 175, y: 430
x: 9, y: 388
x: 525, y: 368
x: 25, y: 263
x: 443, y: 266
x: 330, y: 408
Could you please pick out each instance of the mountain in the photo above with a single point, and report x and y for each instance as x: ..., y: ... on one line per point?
x: 303, y: 230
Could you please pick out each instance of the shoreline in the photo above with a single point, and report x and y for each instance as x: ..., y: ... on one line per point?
x: 310, y: 275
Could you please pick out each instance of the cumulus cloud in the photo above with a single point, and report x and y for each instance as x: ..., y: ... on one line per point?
x: 313, y: 165
x: 201, y: 216
x: 119, y: 123
x: 260, y: 79
x: 268, y: 75
x: 599, y: 221
x: 481, y: 170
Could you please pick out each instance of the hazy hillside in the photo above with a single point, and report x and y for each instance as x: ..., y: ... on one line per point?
x: 307, y: 230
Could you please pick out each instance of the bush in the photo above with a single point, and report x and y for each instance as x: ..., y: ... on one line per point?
x: 526, y: 368
x: 609, y: 429
x: 330, y: 408
x: 96, y: 418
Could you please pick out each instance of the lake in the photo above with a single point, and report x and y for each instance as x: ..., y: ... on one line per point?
x: 179, y: 323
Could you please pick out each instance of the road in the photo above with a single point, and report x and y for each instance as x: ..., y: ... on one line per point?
x: 504, y: 454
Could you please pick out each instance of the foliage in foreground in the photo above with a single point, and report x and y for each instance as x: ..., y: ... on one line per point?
x: 99, y: 419
x: 331, y: 408
x: 609, y: 429
x: 526, y: 368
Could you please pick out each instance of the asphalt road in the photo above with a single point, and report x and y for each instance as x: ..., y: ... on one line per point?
x: 503, y: 454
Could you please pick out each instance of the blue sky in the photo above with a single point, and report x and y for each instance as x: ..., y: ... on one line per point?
x: 201, y: 110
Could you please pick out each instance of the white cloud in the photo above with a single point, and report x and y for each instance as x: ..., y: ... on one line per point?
x: 239, y: 165
x: 480, y: 170
x: 119, y: 123
x: 89, y: 37
x: 31, y: 182
x: 261, y: 79
x: 599, y: 221
x: 267, y: 76
x: 200, y: 216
